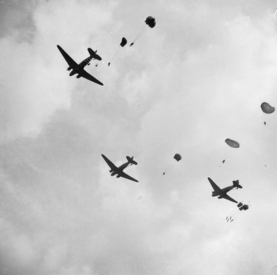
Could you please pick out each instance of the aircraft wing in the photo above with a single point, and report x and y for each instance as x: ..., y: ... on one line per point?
x: 68, y: 59
x: 229, y: 198
x: 123, y: 175
x: 112, y: 166
x: 86, y: 75
x: 214, y: 186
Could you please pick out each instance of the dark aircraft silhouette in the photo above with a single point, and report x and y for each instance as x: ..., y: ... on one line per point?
x: 222, y: 193
x: 79, y: 68
x: 119, y: 170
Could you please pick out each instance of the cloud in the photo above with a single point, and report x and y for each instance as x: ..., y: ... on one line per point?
x: 194, y: 80
x: 32, y: 82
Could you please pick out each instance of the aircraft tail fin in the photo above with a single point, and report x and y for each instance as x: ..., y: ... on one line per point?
x: 130, y: 160
x: 236, y: 184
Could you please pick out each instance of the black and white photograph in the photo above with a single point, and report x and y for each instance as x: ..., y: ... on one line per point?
x: 138, y: 137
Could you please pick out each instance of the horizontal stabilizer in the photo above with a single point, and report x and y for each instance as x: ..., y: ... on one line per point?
x: 236, y: 184
x: 91, y: 52
x: 130, y: 160
x: 94, y: 54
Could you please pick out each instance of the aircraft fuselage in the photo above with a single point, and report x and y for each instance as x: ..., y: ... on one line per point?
x: 222, y: 192
x: 81, y: 66
x: 119, y: 169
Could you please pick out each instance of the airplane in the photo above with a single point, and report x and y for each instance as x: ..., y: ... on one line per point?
x: 222, y: 193
x: 119, y: 170
x: 79, y: 68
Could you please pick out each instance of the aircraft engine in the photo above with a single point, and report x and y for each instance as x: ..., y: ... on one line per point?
x: 78, y: 76
x: 118, y: 176
x: 69, y: 68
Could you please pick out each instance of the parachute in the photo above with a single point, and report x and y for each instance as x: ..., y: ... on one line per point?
x: 151, y: 22
x: 234, y: 213
x: 232, y: 143
x: 122, y: 44
x: 267, y: 108
x: 178, y: 157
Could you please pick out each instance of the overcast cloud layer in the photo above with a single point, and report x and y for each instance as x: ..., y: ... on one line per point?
x: 185, y: 86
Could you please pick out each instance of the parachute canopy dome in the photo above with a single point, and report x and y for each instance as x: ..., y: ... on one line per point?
x: 232, y: 143
x: 123, y: 42
x: 150, y: 21
x: 178, y: 157
x: 267, y: 108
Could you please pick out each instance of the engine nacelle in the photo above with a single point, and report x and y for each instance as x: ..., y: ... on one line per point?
x: 118, y: 176
x: 78, y: 76
x: 69, y: 68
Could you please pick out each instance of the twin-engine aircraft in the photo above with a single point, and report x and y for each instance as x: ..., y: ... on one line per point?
x: 119, y: 170
x: 79, y: 68
x: 222, y: 193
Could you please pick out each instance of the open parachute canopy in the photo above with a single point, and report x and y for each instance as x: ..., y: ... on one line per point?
x: 150, y: 21
x: 178, y: 157
x: 123, y: 42
x: 232, y: 143
x: 267, y: 108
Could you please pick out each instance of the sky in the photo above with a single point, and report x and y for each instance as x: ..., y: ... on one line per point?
x: 196, y: 79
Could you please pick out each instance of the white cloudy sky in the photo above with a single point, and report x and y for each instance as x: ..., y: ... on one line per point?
x: 185, y: 86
